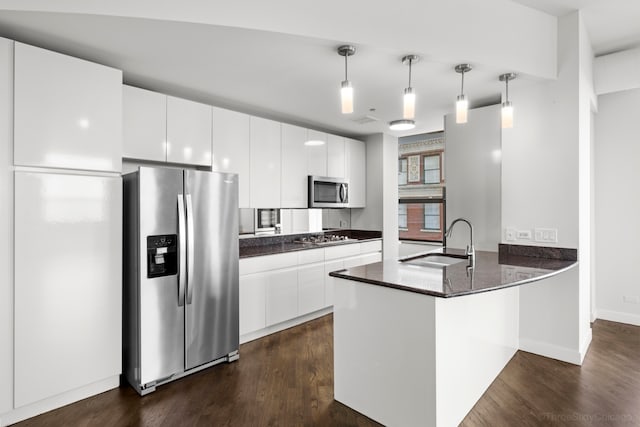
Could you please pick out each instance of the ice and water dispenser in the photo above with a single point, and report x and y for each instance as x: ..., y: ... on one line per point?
x: 162, y: 255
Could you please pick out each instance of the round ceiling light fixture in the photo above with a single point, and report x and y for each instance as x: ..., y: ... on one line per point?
x: 402, y: 124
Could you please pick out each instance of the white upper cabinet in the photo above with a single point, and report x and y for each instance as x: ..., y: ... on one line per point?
x: 294, y: 167
x: 335, y: 157
x: 188, y: 132
x: 67, y: 112
x: 144, y: 124
x: 316, y: 154
x: 231, y: 148
x: 265, y: 163
x: 356, y: 171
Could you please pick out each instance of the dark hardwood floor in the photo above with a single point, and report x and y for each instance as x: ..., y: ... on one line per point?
x: 286, y: 379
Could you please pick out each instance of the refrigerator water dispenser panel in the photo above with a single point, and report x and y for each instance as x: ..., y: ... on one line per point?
x: 162, y: 255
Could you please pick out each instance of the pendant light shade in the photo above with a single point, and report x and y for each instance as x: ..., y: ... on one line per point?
x: 346, y: 89
x: 346, y: 97
x: 507, y: 106
x: 462, y: 104
x: 409, y: 98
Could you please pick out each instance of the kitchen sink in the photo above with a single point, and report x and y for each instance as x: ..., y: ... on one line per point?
x: 434, y: 260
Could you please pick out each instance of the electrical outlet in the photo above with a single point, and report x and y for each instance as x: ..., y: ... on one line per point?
x: 510, y: 234
x: 523, y: 234
x: 634, y: 299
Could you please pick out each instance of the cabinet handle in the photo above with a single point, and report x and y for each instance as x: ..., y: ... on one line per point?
x: 182, y: 250
x: 190, y: 249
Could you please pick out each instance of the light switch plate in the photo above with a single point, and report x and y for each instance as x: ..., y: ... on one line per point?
x: 547, y: 235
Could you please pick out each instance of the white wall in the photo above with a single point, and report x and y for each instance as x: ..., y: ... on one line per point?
x: 543, y: 160
x: 381, y: 212
x: 617, y: 212
x: 617, y: 71
x: 472, y: 174
x: 6, y: 226
x: 587, y: 102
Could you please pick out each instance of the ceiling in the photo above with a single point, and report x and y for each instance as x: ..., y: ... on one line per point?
x: 288, y: 77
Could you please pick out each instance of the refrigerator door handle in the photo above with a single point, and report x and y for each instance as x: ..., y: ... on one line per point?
x: 182, y: 250
x: 190, y: 248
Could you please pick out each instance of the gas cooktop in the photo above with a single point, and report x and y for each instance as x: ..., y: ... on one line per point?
x: 323, y: 240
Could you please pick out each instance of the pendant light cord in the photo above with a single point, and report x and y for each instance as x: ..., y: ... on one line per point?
x: 462, y: 84
x: 345, y: 68
x: 410, y: 61
x: 506, y: 81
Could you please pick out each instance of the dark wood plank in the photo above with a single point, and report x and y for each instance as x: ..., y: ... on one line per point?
x: 286, y: 379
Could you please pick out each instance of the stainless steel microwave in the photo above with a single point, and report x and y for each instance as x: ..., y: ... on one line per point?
x: 327, y: 192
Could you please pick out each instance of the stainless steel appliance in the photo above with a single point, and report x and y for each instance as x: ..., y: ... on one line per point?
x: 180, y: 273
x: 267, y: 221
x: 327, y: 192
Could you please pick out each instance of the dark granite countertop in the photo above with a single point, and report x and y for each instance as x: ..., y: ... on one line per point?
x: 491, y: 271
x: 277, y: 244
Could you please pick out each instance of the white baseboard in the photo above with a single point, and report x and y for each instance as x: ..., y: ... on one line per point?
x: 46, y: 405
x: 619, y: 316
x: 594, y: 315
x: 552, y: 351
x: 584, y: 346
x: 284, y: 325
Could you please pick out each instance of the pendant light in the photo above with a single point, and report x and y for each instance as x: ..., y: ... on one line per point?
x: 346, y: 89
x: 507, y: 107
x: 409, y: 98
x: 462, y: 104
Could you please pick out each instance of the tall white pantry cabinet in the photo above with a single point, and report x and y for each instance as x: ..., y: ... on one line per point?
x: 61, y: 328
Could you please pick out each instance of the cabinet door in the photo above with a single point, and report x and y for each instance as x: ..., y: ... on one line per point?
x: 336, y: 158
x: 329, y: 281
x: 68, y: 112
x: 188, y: 132
x: 311, y: 288
x: 294, y: 167
x: 316, y: 154
x: 356, y: 161
x: 68, y: 292
x: 231, y: 142
x: 144, y: 124
x: 282, y: 295
x: 252, y: 302
x: 371, y: 258
x: 6, y: 226
x: 265, y: 163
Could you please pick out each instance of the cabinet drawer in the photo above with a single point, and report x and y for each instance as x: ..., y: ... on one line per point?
x: 310, y: 256
x: 343, y: 251
x: 268, y: 262
x: 375, y: 246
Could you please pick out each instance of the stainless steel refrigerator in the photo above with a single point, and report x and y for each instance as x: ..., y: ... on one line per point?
x: 180, y: 299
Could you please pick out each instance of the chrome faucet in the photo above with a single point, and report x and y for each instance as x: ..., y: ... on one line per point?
x: 470, y: 252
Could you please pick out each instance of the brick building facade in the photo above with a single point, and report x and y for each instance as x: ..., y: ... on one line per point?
x: 421, y: 205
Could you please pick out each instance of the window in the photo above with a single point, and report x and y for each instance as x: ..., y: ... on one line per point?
x: 431, y: 169
x: 432, y: 216
x: 402, y: 171
x: 402, y: 216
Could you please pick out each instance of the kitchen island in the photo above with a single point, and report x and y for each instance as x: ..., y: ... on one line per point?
x: 416, y: 343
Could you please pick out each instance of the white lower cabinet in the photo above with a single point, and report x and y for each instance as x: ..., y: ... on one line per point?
x: 68, y: 292
x: 330, y: 266
x: 282, y: 295
x: 310, y: 288
x: 252, y: 303
x: 275, y: 289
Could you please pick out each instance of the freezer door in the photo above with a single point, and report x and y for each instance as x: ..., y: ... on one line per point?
x: 161, y: 312
x: 212, y: 329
